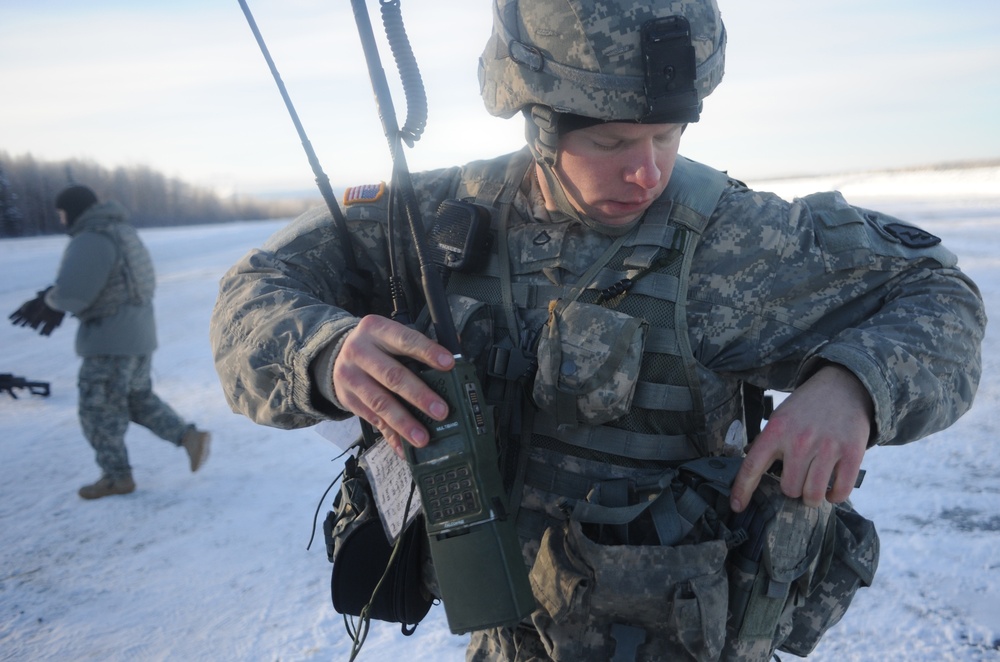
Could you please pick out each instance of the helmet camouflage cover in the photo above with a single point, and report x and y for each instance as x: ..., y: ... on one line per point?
x: 612, y: 60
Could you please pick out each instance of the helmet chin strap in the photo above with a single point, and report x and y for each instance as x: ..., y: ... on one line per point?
x: 541, y: 130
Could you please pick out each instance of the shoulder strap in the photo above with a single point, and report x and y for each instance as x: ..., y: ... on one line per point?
x: 697, y: 188
x: 113, y: 231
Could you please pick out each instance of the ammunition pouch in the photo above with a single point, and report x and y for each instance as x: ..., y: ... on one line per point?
x: 662, y: 601
x: 670, y: 600
x: 788, y: 549
x: 795, y: 576
x: 360, y: 552
x: 776, y: 576
x: 852, y: 565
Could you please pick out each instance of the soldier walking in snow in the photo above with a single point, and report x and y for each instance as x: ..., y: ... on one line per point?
x: 106, y: 280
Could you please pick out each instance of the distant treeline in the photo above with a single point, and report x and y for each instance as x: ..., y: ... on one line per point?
x: 28, y: 189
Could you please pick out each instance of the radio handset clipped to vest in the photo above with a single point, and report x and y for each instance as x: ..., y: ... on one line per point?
x: 473, y: 543
x: 460, y: 236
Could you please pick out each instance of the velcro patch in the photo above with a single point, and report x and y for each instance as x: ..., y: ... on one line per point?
x: 366, y: 193
x: 911, y: 236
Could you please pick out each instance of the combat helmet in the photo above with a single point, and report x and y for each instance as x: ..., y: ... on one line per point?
x: 568, y: 64
x: 608, y: 60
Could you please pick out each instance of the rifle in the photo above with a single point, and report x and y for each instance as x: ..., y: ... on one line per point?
x: 9, y: 382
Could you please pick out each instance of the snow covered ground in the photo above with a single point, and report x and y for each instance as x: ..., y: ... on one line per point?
x: 213, y: 566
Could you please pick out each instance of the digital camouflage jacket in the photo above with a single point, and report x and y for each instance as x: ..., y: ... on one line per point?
x: 752, y: 289
x: 775, y: 286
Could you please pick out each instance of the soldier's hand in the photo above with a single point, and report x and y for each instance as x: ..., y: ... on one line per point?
x: 49, y: 319
x: 35, y: 313
x: 27, y: 314
x: 371, y: 379
x: 820, y: 433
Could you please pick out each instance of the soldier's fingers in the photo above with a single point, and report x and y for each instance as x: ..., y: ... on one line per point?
x: 366, y: 370
x: 754, y: 465
x: 400, y: 340
x: 368, y: 399
x: 398, y: 379
x: 817, y: 481
x: 396, y: 443
x: 844, y: 479
x: 394, y: 440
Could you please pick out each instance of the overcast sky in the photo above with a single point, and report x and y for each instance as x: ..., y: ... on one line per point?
x: 180, y: 85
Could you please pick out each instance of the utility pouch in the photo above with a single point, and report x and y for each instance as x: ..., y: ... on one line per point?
x: 588, y: 363
x: 853, y: 565
x: 786, y: 555
x: 670, y: 601
x: 360, y: 552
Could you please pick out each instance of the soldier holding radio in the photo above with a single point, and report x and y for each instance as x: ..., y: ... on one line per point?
x: 629, y: 306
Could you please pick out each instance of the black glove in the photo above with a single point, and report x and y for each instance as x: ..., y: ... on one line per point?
x: 50, y: 319
x: 37, y: 313
x: 27, y: 313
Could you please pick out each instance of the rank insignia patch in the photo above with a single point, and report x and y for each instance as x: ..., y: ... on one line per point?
x: 365, y: 193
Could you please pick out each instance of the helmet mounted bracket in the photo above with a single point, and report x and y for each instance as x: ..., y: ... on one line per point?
x: 670, y: 71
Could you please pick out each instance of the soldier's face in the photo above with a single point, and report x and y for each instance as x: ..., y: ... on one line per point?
x: 613, y: 172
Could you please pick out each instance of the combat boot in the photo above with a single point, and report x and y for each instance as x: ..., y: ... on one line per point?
x: 196, y: 443
x: 108, y: 486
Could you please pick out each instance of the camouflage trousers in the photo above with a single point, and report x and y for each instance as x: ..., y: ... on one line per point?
x: 116, y: 390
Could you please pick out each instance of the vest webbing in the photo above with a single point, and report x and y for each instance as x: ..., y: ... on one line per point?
x: 665, y: 426
x: 131, y: 280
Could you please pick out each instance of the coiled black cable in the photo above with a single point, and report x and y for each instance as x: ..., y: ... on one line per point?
x: 409, y: 73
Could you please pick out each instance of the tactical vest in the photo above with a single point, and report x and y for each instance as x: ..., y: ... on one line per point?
x: 131, y: 279
x: 618, y: 447
x: 615, y: 398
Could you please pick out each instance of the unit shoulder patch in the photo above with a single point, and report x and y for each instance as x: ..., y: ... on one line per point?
x: 364, y: 194
x: 911, y: 236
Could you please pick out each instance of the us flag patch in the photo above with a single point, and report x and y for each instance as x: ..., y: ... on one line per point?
x: 364, y: 193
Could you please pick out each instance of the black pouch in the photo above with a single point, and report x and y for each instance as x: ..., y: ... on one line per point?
x: 360, y: 552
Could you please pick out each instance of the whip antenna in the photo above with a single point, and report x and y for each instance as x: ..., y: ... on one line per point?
x: 430, y: 277
x: 322, y: 181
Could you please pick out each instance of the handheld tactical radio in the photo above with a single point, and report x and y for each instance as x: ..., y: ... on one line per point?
x: 474, y: 544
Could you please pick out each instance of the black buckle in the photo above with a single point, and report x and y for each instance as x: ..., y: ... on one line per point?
x: 509, y: 362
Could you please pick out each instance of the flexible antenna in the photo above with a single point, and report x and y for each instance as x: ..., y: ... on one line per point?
x: 430, y: 276
x: 322, y: 181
